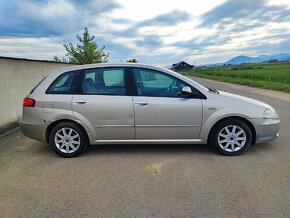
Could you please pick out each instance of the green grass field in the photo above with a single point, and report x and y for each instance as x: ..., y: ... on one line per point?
x: 274, y: 76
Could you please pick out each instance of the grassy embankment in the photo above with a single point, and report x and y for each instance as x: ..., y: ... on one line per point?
x: 274, y: 76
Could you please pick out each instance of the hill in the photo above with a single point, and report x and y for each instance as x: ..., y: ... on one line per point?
x: 262, y: 58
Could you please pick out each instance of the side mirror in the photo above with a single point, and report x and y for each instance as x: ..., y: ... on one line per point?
x: 186, y: 90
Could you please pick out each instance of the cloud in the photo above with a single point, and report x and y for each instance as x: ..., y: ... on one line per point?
x: 49, y: 17
x: 203, y: 31
x: 233, y: 11
x: 171, y: 18
x: 30, y: 47
x: 196, y: 44
x: 149, y: 41
x: 137, y: 40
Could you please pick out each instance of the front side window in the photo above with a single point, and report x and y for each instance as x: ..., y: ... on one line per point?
x: 157, y: 84
x: 104, y: 81
x: 64, y: 84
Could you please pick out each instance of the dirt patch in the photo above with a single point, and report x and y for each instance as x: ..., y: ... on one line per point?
x: 154, y: 168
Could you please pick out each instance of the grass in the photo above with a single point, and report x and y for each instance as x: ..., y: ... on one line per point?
x: 275, y: 76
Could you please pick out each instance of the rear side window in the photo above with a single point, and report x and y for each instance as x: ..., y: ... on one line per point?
x: 64, y: 84
x: 104, y: 81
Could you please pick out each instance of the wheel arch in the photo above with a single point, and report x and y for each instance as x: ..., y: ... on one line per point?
x: 53, y: 124
x: 246, y: 121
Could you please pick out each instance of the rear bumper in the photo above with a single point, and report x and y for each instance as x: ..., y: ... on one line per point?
x: 267, y: 129
x: 34, y: 131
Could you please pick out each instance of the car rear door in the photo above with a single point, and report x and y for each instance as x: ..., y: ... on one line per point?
x: 161, y: 112
x: 103, y: 102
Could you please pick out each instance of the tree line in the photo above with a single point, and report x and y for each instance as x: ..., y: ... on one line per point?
x: 86, y: 52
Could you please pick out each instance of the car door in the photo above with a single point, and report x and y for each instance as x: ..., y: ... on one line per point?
x: 103, y: 102
x: 161, y: 111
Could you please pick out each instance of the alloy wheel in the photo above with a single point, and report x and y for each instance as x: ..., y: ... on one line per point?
x: 232, y: 138
x: 67, y: 140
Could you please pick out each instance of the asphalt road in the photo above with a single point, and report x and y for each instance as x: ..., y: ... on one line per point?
x: 149, y: 180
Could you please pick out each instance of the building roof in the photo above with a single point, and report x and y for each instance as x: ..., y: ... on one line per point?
x: 180, y: 64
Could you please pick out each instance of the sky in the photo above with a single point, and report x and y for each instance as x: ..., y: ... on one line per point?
x: 156, y: 32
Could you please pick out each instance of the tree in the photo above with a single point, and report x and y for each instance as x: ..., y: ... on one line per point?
x: 88, y: 52
x: 132, y: 60
x: 57, y: 59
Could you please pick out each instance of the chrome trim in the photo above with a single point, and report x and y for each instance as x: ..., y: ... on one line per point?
x: 166, y: 125
x: 109, y: 125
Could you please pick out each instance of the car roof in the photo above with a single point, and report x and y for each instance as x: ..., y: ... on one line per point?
x: 88, y: 66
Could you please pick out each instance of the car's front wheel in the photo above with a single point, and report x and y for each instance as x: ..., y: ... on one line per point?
x: 67, y: 139
x: 231, y: 137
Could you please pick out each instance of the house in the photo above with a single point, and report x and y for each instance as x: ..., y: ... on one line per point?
x: 182, y: 65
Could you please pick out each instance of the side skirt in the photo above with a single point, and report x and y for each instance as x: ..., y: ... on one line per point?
x: 152, y: 141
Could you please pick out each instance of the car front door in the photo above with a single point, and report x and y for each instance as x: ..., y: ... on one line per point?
x: 161, y: 110
x: 103, y: 102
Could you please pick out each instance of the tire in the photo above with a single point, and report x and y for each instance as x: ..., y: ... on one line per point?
x: 231, y: 137
x: 68, y: 140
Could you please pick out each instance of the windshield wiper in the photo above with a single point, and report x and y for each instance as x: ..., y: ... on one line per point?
x: 213, y: 90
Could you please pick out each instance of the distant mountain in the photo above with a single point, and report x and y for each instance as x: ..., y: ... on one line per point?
x: 247, y: 60
x: 242, y: 59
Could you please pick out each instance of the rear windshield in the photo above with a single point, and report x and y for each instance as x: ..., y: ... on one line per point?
x: 32, y: 90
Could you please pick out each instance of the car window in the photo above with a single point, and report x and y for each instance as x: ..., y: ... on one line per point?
x: 104, y: 81
x: 64, y: 84
x: 157, y: 84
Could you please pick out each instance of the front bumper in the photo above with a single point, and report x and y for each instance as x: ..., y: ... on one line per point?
x: 266, y: 129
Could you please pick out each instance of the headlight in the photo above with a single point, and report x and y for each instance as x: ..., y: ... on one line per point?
x: 270, y: 113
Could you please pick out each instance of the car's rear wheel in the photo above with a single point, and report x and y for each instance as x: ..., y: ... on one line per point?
x: 231, y: 137
x: 67, y: 139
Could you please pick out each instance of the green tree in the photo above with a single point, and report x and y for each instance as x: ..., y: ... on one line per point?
x: 57, y: 59
x: 132, y: 60
x: 87, y: 52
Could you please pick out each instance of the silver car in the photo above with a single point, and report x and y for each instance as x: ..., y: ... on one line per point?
x: 133, y: 103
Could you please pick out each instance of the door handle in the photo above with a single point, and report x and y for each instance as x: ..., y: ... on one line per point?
x: 79, y: 101
x: 142, y: 103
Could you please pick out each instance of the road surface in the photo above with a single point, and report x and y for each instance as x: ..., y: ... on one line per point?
x: 149, y: 180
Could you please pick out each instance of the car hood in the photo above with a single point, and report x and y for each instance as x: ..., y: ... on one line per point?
x: 244, y: 99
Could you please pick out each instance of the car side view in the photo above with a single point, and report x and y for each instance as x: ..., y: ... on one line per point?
x: 74, y: 107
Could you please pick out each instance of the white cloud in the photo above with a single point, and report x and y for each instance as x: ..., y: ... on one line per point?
x: 141, y: 29
x: 141, y: 10
x: 37, y: 48
x: 50, y: 9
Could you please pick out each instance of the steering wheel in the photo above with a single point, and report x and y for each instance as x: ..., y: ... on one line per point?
x: 170, y: 87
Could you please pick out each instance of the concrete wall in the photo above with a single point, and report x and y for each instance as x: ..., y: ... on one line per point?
x: 18, y: 77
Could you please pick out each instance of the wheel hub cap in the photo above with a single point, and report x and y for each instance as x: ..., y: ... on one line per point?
x: 67, y: 140
x: 232, y: 138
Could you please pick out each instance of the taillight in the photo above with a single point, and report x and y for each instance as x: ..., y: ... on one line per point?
x: 28, y: 102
